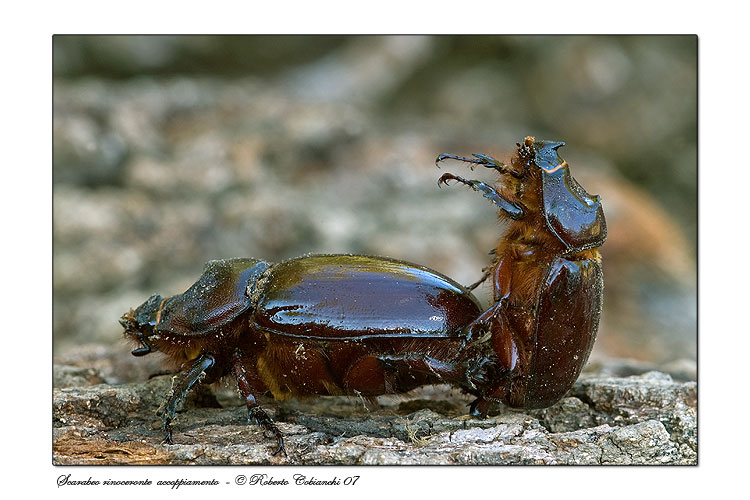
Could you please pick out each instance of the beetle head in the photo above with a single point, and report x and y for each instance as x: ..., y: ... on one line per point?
x: 139, y: 324
x: 573, y: 215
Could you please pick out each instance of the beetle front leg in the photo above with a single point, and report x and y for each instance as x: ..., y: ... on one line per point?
x: 512, y: 210
x: 481, y: 159
x: 248, y: 383
x: 180, y: 391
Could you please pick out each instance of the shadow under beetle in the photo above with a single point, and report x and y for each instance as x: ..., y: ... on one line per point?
x: 354, y: 324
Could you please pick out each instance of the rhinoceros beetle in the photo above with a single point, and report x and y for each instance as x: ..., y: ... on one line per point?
x: 355, y: 324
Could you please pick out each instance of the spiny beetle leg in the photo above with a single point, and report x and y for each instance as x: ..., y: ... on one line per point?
x: 481, y: 159
x: 446, y: 156
x: 180, y: 389
x: 485, y: 274
x: 257, y: 414
x: 248, y: 383
x: 513, y: 210
x: 490, y: 162
x: 168, y: 430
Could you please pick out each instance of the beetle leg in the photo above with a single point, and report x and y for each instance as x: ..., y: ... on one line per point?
x: 248, y: 383
x: 513, y: 210
x: 492, y: 324
x: 484, y: 160
x: 491, y: 372
x: 180, y: 391
x: 487, y: 381
x: 485, y: 274
x: 480, y: 159
x: 258, y: 415
x: 501, y: 272
x: 503, y: 338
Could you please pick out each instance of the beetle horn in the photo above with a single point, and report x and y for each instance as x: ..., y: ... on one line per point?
x: 546, y: 156
x: 572, y: 214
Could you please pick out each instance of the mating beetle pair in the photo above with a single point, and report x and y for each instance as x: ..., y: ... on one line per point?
x: 354, y: 324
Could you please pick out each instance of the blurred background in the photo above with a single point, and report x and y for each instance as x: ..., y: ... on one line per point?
x: 173, y: 150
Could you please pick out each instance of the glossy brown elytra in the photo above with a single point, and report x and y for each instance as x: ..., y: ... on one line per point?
x: 353, y: 324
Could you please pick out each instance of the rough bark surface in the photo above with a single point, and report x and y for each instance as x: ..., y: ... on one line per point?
x: 647, y: 418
